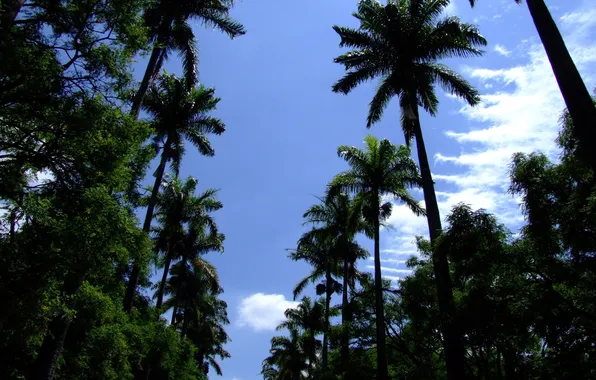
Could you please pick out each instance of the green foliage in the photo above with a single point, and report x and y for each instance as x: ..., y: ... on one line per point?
x: 71, y: 164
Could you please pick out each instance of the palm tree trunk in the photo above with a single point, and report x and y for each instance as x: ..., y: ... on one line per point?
x: 328, y: 290
x: 9, y: 12
x: 382, y: 371
x: 577, y: 98
x: 452, y: 344
x: 184, y: 323
x: 46, y: 361
x: 133, y: 281
x: 345, y: 339
x: 164, y: 278
x: 150, y: 71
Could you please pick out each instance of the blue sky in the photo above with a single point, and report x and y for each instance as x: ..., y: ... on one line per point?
x: 284, y: 125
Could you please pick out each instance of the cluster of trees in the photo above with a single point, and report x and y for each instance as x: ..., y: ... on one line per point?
x: 480, y: 302
x: 75, y: 259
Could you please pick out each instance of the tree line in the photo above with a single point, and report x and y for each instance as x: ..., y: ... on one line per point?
x: 481, y: 302
x: 77, y: 136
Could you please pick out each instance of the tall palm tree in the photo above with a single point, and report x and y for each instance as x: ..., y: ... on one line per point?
x: 287, y: 359
x: 169, y: 30
x: 401, y: 43
x: 322, y: 255
x: 382, y: 169
x: 575, y: 94
x: 178, y: 114
x: 336, y: 218
x: 177, y: 206
x: 306, y: 317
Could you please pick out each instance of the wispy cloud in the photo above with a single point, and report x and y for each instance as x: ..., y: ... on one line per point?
x: 263, y: 312
x: 502, y: 50
x: 519, y: 113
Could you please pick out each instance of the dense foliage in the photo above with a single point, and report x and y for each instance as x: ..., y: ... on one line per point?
x: 75, y: 258
x: 73, y: 160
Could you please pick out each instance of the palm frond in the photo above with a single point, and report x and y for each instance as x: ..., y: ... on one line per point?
x: 183, y: 39
x: 379, y: 102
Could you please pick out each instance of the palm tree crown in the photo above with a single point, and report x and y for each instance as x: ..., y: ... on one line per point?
x: 400, y: 43
x: 179, y: 113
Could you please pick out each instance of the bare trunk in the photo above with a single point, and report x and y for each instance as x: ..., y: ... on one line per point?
x: 452, y: 344
x: 577, y: 98
x: 345, y: 339
x: 150, y: 73
x: 329, y: 291
x: 382, y: 371
x: 133, y: 280
x: 164, y: 278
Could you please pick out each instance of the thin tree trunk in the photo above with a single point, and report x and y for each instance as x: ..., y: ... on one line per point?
x: 174, y: 310
x: 9, y: 12
x: 382, y: 371
x: 577, y: 98
x: 133, y: 281
x: 345, y: 338
x: 150, y: 73
x: 164, y: 278
x: 328, y: 294
x: 46, y: 361
x: 184, y: 323
x: 452, y: 344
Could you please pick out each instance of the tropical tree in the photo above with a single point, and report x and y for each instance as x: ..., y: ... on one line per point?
x: 176, y: 207
x: 337, y: 218
x: 575, y: 94
x: 287, y: 359
x: 411, y: 36
x: 178, y: 114
x: 381, y: 170
x: 307, y: 317
x: 322, y: 255
x: 170, y: 30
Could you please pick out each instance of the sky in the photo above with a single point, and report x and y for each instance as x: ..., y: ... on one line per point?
x: 284, y: 125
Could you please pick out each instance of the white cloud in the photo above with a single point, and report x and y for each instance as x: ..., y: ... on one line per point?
x: 261, y: 311
x: 502, y: 50
x: 519, y: 113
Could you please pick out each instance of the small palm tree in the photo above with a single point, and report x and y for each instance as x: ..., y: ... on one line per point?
x: 306, y: 317
x: 401, y: 43
x: 176, y: 207
x: 179, y: 114
x: 322, y: 255
x: 287, y: 359
x: 337, y: 219
x: 382, y: 169
x: 575, y: 94
x: 169, y: 30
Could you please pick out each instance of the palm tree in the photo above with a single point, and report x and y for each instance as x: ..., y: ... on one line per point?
x: 322, y: 255
x: 307, y: 317
x: 336, y: 218
x: 197, y: 242
x: 177, y: 206
x: 382, y: 169
x: 287, y: 359
x: 401, y: 43
x: 575, y: 94
x: 179, y: 114
x: 169, y: 30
